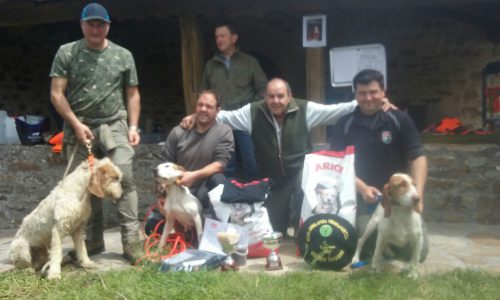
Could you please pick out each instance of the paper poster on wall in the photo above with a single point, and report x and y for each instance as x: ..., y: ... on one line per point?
x: 314, y: 31
x: 345, y: 62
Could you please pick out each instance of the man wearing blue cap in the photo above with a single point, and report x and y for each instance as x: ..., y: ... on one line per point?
x: 91, y: 78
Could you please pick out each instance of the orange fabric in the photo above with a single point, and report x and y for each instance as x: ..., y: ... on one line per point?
x: 453, y: 126
x: 57, y: 148
x: 56, y: 139
x: 449, y: 125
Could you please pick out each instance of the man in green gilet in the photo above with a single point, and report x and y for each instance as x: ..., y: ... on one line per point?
x: 91, y: 78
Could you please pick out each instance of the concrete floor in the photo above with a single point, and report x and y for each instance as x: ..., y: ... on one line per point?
x: 451, y: 246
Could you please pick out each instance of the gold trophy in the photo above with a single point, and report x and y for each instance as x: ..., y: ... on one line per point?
x: 229, y: 242
x: 272, y: 242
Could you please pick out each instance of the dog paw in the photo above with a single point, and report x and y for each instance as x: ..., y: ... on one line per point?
x: 54, y: 276
x: 355, y: 259
x: 412, y: 274
x: 376, y: 268
x: 88, y: 265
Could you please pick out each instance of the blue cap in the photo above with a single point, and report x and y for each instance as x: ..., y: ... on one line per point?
x: 95, y: 11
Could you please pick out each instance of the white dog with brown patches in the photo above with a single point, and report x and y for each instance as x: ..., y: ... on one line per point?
x: 180, y: 205
x: 396, y: 221
x: 65, y: 211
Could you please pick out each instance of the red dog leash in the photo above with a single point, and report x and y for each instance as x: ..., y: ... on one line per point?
x: 175, y: 243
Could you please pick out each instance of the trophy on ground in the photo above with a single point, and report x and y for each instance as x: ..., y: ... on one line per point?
x: 272, y: 242
x: 229, y: 242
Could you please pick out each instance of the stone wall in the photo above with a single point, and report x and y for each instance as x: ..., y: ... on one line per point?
x: 28, y: 174
x: 26, y: 55
x: 463, y: 184
x: 434, y: 59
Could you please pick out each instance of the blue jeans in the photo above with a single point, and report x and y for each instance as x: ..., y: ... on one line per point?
x: 243, y: 147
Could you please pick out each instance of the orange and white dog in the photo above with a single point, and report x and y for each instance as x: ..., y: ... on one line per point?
x: 180, y: 205
x: 396, y: 221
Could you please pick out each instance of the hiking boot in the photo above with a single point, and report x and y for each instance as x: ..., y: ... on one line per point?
x: 93, y: 248
x: 132, y: 252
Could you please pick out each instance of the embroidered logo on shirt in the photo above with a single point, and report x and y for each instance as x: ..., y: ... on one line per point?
x: 386, y: 137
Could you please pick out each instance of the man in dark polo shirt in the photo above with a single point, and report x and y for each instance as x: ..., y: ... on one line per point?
x: 385, y: 143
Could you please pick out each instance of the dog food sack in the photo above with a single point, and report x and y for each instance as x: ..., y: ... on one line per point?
x: 329, y: 184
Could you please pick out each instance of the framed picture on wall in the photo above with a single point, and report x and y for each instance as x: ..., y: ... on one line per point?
x: 314, y: 31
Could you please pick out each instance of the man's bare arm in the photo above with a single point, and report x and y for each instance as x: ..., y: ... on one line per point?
x: 58, y: 98
x: 418, y: 171
x: 369, y: 193
x: 134, y: 111
x: 189, y: 177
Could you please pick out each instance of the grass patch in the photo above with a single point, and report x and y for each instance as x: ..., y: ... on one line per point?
x: 148, y: 283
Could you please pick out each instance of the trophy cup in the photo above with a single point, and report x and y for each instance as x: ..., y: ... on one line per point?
x: 272, y: 242
x: 229, y: 242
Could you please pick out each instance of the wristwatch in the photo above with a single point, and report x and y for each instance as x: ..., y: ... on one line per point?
x: 133, y: 127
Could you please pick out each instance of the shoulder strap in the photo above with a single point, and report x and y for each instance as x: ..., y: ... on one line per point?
x: 347, y: 125
x: 395, y: 120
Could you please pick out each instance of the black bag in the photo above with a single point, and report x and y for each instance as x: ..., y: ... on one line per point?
x: 236, y: 191
x: 192, y: 260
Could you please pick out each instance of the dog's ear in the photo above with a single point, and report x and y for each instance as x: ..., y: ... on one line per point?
x: 161, y: 189
x: 386, y: 201
x: 180, y: 168
x: 97, y: 180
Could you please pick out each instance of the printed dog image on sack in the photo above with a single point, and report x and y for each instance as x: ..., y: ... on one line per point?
x: 327, y: 196
x: 329, y: 184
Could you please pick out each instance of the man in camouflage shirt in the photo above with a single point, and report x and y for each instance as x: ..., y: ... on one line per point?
x: 91, y: 78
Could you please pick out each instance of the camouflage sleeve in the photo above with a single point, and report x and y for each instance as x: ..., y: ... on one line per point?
x: 131, y: 78
x: 59, y: 65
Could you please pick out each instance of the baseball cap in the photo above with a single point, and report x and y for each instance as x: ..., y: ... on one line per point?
x: 95, y: 11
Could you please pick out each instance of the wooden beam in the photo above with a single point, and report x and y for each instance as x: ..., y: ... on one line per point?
x: 315, y: 78
x: 192, y: 59
x: 29, y: 12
